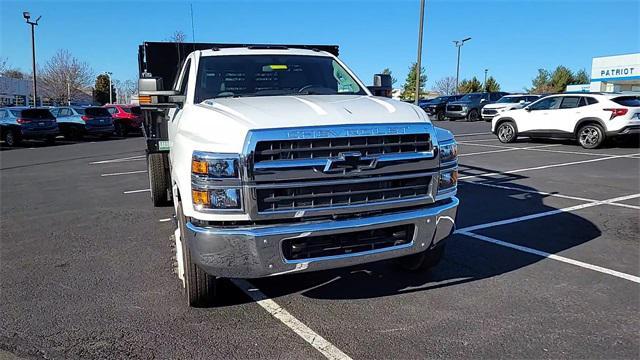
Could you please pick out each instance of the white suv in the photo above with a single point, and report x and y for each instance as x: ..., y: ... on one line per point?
x: 507, y: 102
x: 588, y: 117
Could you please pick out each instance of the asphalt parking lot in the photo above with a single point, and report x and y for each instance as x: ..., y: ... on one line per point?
x: 545, y: 264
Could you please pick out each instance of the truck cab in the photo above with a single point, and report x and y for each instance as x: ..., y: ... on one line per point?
x: 278, y: 159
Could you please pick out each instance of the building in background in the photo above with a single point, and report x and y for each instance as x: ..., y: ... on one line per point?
x: 617, y: 73
x: 15, y: 92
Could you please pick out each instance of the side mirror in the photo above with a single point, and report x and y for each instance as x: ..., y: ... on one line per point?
x: 381, y: 85
x: 483, y: 101
x: 526, y: 108
x: 152, y: 95
x: 150, y: 84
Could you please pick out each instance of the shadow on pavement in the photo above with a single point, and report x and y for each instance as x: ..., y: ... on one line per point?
x: 466, y: 259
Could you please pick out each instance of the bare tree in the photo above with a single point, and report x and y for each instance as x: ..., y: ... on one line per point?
x: 177, y: 37
x: 63, y: 76
x: 4, y: 65
x: 445, y: 86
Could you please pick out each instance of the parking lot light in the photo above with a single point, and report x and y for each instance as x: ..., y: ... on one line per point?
x: 458, y: 44
x: 27, y: 16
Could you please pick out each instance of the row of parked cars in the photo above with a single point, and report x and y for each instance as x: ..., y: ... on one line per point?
x: 475, y: 106
x: 72, y: 122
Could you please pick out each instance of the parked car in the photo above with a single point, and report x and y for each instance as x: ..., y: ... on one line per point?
x: 75, y: 121
x: 507, y: 102
x: 469, y: 105
x: 18, y: 123
x: 589, y: 118
x: 126, y: 118
x: 436, y: 108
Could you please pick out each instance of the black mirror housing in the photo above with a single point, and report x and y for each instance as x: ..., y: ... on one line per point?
x: 381, y: 85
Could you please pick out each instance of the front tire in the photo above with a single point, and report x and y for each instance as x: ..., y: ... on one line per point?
x: 159, y: 179
x: 440, y: 115
x: 200, y: 287
x: 590, y: 136
x: 473, y: 115
x: 507, y: 132
x: 423, y: 261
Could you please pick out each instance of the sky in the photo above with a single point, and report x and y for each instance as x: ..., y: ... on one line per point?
x: 512, y: 39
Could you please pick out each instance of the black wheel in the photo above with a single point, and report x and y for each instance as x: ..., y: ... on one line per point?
x: 473, y: 115
x: 50, y: 140
x: 200, y: 287
x: 73, y: 133
x: 422, y: 261
x: 159, y: 179
x: 507, y: 132
x: 590, y: 136
x: 11, y: 138
x: 440, y: 115
x: 118, y: 129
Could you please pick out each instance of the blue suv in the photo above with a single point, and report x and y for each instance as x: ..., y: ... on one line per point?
x: 18, y: 123
x: 76, y: 122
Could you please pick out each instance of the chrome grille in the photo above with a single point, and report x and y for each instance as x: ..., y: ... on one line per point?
x: 303, y: 196
x: 326, y: 148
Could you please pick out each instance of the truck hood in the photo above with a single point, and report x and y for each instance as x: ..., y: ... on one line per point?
x: 268, y: 112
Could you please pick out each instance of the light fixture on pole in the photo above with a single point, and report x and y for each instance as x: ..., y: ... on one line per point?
x: 108, y: 73
x: 27, y: 17
x: 459, y: 44
x: 485, y: 79
x: 419, y: 62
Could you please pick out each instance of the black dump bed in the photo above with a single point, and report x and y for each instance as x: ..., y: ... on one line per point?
x: 164, y: 59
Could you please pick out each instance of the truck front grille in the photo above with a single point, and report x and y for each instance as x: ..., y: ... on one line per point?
x: 489, y: 111
x: 326, y: 148
x: 346, y: 243
x: 301, y: 196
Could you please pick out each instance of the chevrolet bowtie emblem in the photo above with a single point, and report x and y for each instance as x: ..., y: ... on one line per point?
x: 350, y: 162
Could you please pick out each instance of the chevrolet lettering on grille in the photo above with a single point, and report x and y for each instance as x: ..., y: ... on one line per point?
x: 317, y: 134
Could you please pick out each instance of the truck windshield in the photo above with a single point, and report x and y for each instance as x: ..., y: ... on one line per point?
x: 471, y: 97
x: 272, y: 75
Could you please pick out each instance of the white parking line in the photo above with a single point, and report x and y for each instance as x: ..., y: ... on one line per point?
x: 125, y: 173
x: 547, y: 213
x: 544, y: 193
x: 136, y: 191
x: 547, y: 255
x: 507, y: 149
x: 476, y: 140
x: 131, y: 158
x: 165, y: 220
x: 538, y: 148
x: 543, y: 167
x: 472, y: 134
x: 318, y: 342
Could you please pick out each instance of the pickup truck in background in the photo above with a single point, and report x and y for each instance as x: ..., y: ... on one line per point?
x: 278, y: 159
x: 470, y: 105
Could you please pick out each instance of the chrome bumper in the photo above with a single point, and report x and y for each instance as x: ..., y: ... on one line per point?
x: 251, y: 252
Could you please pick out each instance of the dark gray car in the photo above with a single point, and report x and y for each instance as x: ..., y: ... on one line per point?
x: 469, y: 106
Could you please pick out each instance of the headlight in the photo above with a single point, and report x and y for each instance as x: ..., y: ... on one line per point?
x: 448, y: 152
x: 215, y: 181
x: 214, y: 165
x: 448, y: 180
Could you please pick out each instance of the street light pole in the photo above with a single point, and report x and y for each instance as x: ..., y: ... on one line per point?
x: 485, y: 79
x: 419, y: 62
x: 110, y: 88
x: 27, y: 17
x: 459, y: 44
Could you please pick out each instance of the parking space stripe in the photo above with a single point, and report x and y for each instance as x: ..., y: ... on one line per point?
x: 543, y: 167
x: 124, y: 173
x: 506, y: 149
x: 318, y: 342
x: 131, y: 158
x: 472, y: 134
x: 547, y: 255
x: 136, y: 191
x: 538, y: 148
x: 546, y: 213
x: 544, y: 193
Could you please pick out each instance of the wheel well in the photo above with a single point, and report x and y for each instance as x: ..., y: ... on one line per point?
x: 586, y: 121
x: 504, y: 120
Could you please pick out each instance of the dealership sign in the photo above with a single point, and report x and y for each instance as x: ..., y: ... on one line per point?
x: 620, y: 67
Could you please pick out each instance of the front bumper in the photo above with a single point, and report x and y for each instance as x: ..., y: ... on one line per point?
x: 456, y: 114
x: 251, y: 252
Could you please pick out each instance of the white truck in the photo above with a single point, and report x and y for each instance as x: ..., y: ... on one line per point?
x: 279, y: 160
